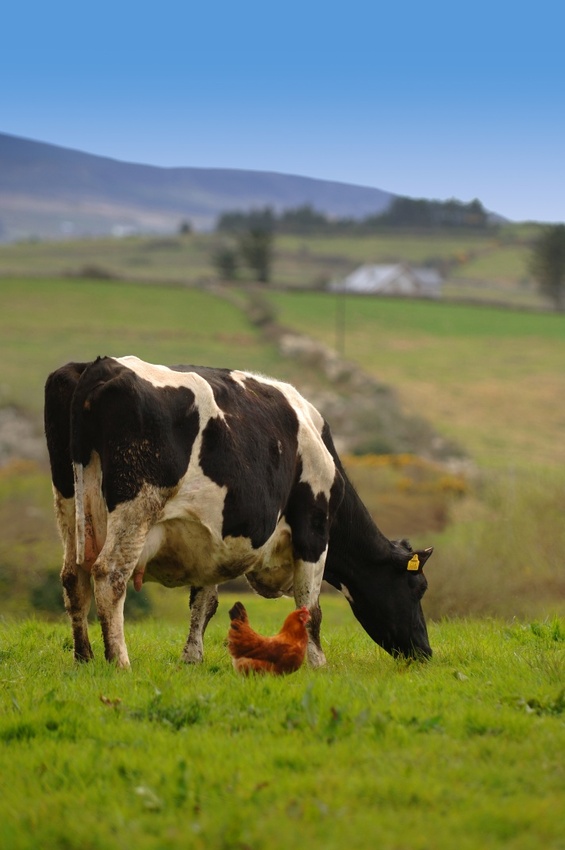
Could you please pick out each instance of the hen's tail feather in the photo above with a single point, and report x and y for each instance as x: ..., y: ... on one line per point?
x: 238, y: 612
x: 247, y: 666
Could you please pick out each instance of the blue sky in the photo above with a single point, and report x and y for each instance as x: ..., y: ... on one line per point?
x: 427, y: 99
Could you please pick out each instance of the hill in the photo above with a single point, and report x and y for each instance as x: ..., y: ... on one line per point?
x: 52, y: 192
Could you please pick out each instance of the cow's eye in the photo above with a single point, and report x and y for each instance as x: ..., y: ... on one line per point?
x: 418, y: 585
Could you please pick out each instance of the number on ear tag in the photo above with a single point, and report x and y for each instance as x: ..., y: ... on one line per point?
x: 414, y: 563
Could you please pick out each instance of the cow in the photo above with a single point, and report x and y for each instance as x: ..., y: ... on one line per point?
x: 192, y: 476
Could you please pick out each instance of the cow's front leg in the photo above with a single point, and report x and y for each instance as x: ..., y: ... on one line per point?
x: 307, y: 584
x: 203, y: 605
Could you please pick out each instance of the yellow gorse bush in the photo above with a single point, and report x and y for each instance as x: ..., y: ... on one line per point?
x: 413, y: 473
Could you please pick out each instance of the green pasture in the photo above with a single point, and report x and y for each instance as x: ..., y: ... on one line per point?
x: 387, y: 247
x: 465, y: 751
x: 502, y: 263
x: 487, y: 377
x: 47, y: 322
x: 490, y: 379
x: 147, y: 259
x: 491, y: 265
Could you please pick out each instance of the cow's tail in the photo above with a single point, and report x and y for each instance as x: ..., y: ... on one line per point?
x: 78, y: 473
x: 81, y: 455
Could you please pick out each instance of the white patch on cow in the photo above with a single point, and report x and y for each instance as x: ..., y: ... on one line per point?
x: 240, y: 377
x: 318, y: 467
x: 301, y: 405
x: 163, y: 376
x: 90, y: 512
x: 346, y: 593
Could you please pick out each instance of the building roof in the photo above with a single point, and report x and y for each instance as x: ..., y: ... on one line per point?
x: 397, y: 279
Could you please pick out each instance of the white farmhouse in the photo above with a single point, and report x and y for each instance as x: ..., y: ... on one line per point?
x: 397, y: 279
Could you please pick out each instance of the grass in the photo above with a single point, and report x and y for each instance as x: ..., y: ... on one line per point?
x: 500, y: 554
x: 47, y: 322
x: 149, y: 259
x: 484, y: 266
x: 465, y: 751
x: 490, y: 379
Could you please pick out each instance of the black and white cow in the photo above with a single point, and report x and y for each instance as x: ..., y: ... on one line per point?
x: 193, y: 476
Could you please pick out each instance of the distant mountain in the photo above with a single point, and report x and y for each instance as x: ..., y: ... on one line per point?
x: 51, y: 192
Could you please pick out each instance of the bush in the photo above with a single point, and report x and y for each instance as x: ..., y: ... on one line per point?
x: 47, y: 597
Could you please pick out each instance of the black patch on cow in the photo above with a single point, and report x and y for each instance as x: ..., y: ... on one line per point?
x: 59, y: 389
x: 251, y: 451
x: 308, y: 516
x: 141, y: 432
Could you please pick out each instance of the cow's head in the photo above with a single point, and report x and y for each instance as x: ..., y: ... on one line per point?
x: 388, y: 605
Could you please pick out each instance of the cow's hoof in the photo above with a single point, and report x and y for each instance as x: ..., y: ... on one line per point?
x: 316, y: 657
x: 192, y: 656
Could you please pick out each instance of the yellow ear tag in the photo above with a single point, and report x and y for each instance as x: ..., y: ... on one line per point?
x: 414, y: 563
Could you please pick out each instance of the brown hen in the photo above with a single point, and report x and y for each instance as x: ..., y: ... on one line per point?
x: 281, y: 654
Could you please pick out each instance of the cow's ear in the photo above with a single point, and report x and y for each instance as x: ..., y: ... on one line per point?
x: 415, y: 562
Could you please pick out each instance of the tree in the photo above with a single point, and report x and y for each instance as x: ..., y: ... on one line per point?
x: 256, y: 250
x: 419, y: 212
x: 304, y: 219
x: 238, y: 221
x: 547, y: 264
x: 225, y: 260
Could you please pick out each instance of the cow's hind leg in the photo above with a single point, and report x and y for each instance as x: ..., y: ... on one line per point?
x: 77, y: 592
x: 128, y: 527
x: 203, y: 605
x: 112, y: 570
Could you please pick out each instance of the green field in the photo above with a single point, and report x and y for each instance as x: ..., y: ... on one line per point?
x: 466, y: 751
x: 488, y: 266
x: 490, y: 379
x: 47, y: 322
